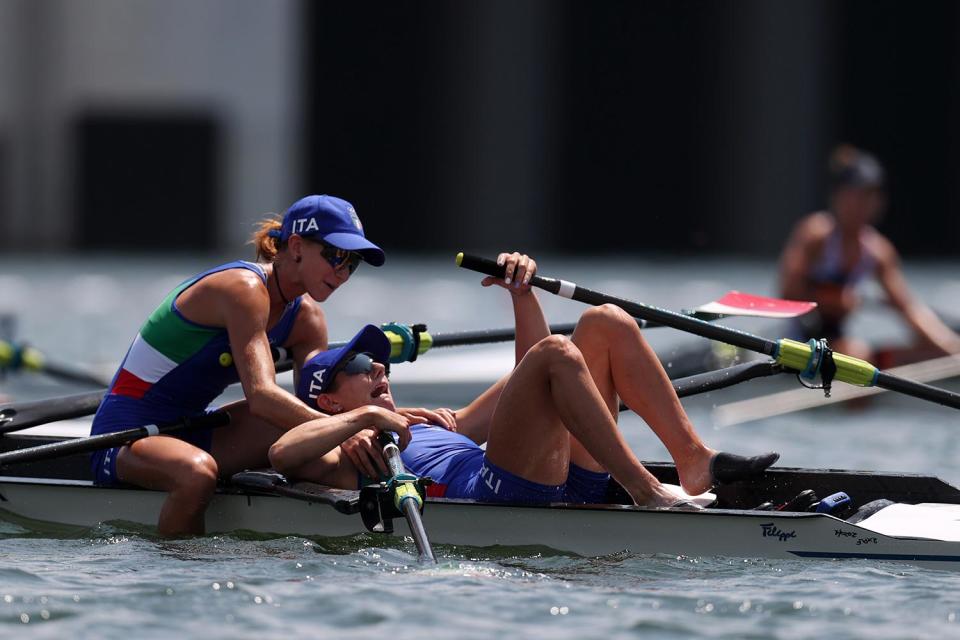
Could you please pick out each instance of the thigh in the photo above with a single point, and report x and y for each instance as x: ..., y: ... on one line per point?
x: 526, y: 436
x: 594, y: 342
x: 160, y: 462
x: 244, y: 443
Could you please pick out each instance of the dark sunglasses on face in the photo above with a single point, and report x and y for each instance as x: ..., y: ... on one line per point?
x: 360, y: 363
x: 340, y: 258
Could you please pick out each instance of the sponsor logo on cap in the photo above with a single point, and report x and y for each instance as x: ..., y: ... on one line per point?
x: 355, y: 217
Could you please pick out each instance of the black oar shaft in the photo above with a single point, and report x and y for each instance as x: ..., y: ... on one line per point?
x: 17, y: 416
x: 918, y: 390
x: 107, y: 440
x: 723, y: 378
x: 488, y: 336
x: 646, y: 312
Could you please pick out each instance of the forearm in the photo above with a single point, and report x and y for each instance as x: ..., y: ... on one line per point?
x: 926, y: 323
x: 307, y: 442
x: 531, y: 323
x: 272, y: 403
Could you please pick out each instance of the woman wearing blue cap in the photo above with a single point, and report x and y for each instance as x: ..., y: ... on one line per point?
x: 549, y: 425
x: 829, y: 253
x: 217, y: 328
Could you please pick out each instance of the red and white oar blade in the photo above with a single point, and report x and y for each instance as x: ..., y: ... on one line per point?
x: 735, y: 303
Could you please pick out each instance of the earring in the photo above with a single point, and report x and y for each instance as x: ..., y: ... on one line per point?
x: 296, y: 259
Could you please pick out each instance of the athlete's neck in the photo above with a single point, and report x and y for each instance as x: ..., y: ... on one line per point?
x: 276, y: 278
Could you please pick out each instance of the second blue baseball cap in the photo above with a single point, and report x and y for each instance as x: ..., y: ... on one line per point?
x: 319, y: 371
x: 333, y: 220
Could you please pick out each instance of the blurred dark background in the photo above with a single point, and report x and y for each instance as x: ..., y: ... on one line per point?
x: 661, y: 126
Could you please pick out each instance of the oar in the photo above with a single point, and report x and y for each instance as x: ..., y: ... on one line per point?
x: 406, y: 497
x: 15, y: 357
x: 807, y: 358
x: 783, y: 402
x: 15, y: 416
x: 732, y: 303
x: 107, y: 440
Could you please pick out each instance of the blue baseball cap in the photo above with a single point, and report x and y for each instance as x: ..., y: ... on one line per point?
x: 852, y: 167
x: 319, y: 371
x: 334, y: 221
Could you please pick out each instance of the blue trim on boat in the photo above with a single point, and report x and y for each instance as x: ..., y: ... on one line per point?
x: 919, y: 557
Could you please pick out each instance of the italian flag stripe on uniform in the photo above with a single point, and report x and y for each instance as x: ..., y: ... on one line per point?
x: 165, y: 341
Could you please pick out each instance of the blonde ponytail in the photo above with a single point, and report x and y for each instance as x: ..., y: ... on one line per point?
x: 266, y: 244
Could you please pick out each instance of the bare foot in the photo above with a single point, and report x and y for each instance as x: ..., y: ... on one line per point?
x: 655, y: 496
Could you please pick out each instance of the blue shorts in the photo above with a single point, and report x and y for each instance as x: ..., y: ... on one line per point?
x: 490, y: 483
x: 103, y: 463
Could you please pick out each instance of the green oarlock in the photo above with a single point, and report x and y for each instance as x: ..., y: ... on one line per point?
x: 396, y: 343
x: 793, y: 354
x: 855, y: 371
x: 31, y: 359
x: 426, y: 341
x: 796, y: 355
x: 406, y: 489
x: 7, y: 353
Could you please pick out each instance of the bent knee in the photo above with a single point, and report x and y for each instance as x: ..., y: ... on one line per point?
x: 557, y: 349
x: 197, y: 474
x: 609, y: 315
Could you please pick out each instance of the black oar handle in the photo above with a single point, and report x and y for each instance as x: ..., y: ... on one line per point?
x: 491, y: 268
x: 107, y: 440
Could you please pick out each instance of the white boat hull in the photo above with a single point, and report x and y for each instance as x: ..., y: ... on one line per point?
x: 584, y: 530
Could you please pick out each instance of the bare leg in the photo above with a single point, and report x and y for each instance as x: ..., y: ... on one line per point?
x: 549, y: 396
x: 613, y: 346
x: 621, y: 361
x: 189, y: 475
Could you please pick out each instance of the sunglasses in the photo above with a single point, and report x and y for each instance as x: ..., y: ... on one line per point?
x: 360, y: 362
x: 340, y: 258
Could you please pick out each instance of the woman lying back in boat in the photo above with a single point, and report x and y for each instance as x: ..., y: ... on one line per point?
x: 549, y: 426
x: 831, y: 252
x: 218, y: 328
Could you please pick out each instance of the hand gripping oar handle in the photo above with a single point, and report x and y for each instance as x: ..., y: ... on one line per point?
x: 790, y: 354
x: 107, y: 440
x: 406, y: 497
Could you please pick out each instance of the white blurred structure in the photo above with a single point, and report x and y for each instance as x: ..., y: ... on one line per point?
x: 238, y: 59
